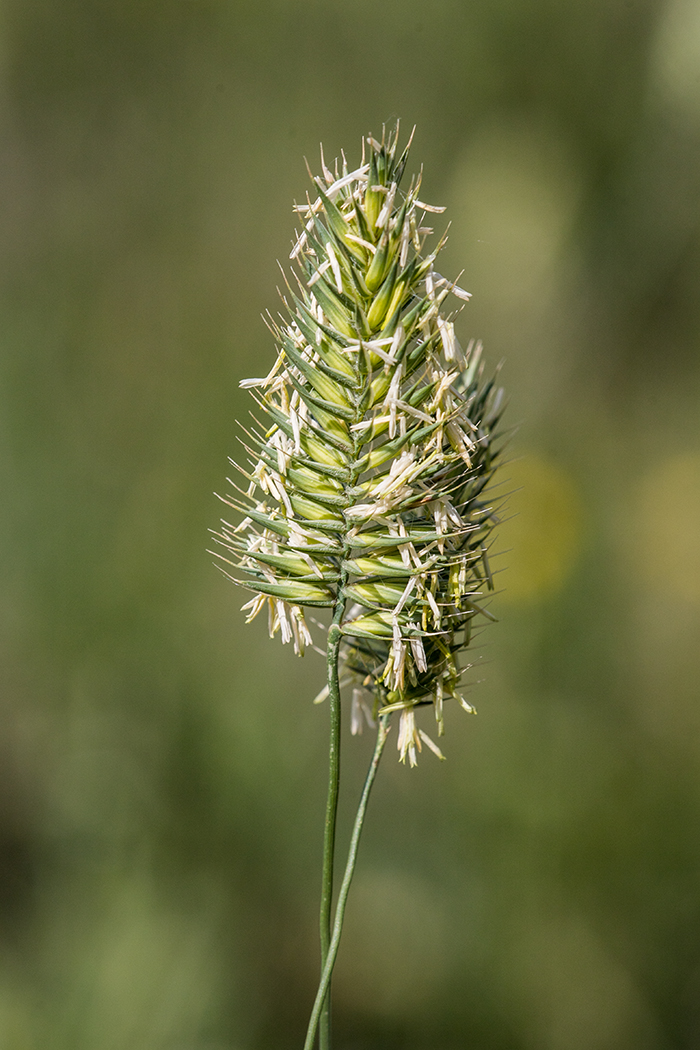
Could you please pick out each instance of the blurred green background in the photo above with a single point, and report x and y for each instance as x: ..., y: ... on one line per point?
x: 162, y: 768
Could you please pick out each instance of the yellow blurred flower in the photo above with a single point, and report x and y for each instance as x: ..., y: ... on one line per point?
x: 540, y: 539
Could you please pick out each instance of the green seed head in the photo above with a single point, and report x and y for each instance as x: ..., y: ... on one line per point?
x: 366, y: 486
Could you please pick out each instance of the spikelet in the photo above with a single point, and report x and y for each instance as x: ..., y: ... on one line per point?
x: 365, y: 488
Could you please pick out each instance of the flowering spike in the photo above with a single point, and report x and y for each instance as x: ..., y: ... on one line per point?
x: 368, y: 488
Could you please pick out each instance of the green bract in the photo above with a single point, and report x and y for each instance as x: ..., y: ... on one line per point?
x: 366, y: 485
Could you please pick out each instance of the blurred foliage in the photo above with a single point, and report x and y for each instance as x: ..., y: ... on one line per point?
x: 162, y: 768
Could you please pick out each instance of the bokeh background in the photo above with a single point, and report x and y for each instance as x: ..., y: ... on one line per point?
x: 162, y: 768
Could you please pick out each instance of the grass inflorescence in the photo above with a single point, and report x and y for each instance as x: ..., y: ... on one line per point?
x: 366, y: 488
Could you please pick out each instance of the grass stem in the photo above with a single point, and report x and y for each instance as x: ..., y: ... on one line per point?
x: 332, y: 952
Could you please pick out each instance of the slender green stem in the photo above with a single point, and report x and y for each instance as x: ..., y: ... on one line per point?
x: 334, y: 639
x: 345, y: 886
